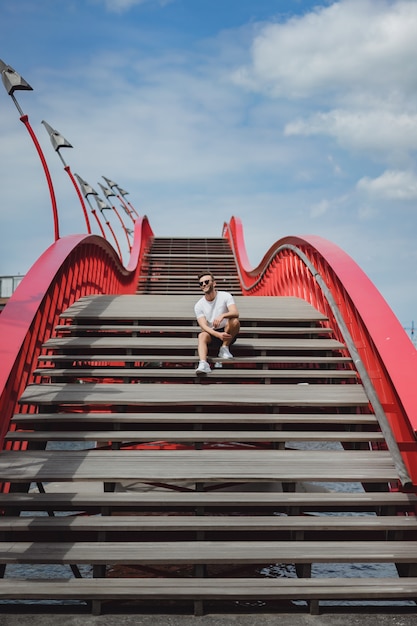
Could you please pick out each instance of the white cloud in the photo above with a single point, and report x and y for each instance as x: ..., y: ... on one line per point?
x: 391, y: 184
x: 349, y: 70
x: 333, y: 207
x: 374, y: 131
x: 350, y: 45
x: 367, y: 213
x: 175, y: 124
x: 320, y: 208
x: 337, y: 170
x: 119, y: 6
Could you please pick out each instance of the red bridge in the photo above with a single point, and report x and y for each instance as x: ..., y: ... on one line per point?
x: 234, y: 491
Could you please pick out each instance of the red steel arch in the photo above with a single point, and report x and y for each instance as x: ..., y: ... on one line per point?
x: 81, y: 265
x: 384, y: 347
x: 72, y: 267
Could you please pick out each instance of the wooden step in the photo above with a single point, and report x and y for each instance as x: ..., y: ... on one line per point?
x: 195, y: 395
x: 179, y: 274
x: 194, y: 436
x: 154, y: 269
x: 75, y: 329
x: 177, y: 588
x: 164, y: 499
x: 179, y: 344
x: 187, y: 358
x: 199, y: 466
x: 273, y: 309
x: 193, y: 256
x: 167, y: 285
x: 192, y: 277
x: 336, y: 420
x: 207, y: 552
x: 207, y: 523
x: 172, y: 290
x: 227, y: 372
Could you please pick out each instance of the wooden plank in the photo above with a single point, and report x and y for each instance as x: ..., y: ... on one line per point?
x: 179, y: 523
x: 168, y: 284
x: 188, y: 343
x: 200, y: 466
x: 173, y: 273
x: 138, y: 328
x: 156, y: 289
x: 164, y: 498
x: 274, y: 308
x: 208, y: 552
x: 254, y: 360
x: 191, y: 278
x: 225, y: 373
x: 209, y: 588
x: 225, y: 269
x: 271, y: 419
x: 190, y: 254
x: 194, y: 436
x: 195, y: 395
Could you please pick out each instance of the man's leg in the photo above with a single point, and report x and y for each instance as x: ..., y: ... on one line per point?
x: 232, y: 327
x: 203, y: 343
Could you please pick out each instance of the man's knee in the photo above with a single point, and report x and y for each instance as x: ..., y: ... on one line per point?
x: 204, y: 337
x: 233, y: 326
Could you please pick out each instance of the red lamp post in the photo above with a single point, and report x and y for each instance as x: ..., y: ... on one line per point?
x: 109, y: 193
x: 105, y: 207
x: 58, y: 142
x: 120, y: 196
x: 88, y: 190
x: 14, y: 82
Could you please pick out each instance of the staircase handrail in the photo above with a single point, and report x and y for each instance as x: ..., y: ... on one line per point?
x: 382, y: 345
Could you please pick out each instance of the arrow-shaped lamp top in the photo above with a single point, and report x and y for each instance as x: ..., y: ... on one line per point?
x: 107, y: 192
x: 101, y: 204
x: 57, y: 140
x: 110, y: 183
x: 85, y: 187
x: 122, y: 191
x: 12, y: 80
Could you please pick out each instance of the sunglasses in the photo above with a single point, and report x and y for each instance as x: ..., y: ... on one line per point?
x: 203, y: 282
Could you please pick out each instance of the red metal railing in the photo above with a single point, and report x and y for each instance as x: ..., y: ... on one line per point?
x: 72, y: 267
x: 81, y: 265
x: 384, y: 348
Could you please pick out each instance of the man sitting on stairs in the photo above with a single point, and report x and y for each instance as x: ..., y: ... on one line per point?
x: 218, y: 318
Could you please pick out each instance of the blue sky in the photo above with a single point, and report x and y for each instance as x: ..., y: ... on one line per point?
x: 298, y: 117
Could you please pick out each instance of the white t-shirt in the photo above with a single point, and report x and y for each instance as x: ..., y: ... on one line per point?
x: 212, y: 309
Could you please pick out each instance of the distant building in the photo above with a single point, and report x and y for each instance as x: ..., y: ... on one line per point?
x: 7, y: 286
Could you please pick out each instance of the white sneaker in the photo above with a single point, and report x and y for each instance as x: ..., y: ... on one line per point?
x: 224, y: 353
x: 203, y: 368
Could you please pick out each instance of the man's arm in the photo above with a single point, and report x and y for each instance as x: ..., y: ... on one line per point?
x: 202, y: 322
x: 229, y: 314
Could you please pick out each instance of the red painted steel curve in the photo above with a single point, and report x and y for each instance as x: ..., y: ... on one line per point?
x: 72, y: 267
x: 383, y: 345
x: 80, y: 265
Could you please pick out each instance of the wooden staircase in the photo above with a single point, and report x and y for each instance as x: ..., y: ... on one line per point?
x: 171, y: 265
x: 230, y: 492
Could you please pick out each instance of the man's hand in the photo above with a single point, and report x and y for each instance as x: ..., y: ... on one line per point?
x: 217, y: 321
x: 224, y: 336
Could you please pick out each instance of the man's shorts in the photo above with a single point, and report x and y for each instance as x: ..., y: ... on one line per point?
x: 216, y: 343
